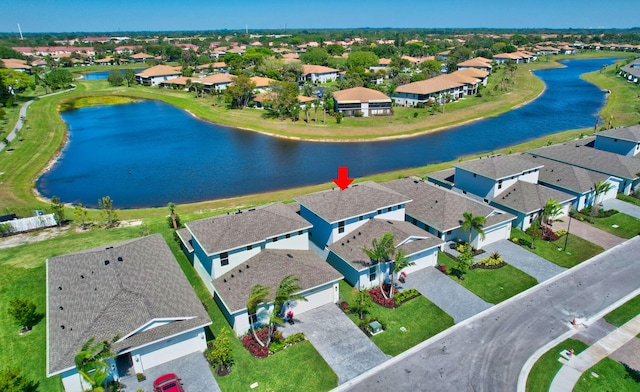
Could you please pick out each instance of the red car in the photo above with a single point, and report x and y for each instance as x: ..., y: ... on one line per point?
x: 167, y: 383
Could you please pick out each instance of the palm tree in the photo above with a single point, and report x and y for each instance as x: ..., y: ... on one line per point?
x: 286, y: 292
x: 551, y: 210
x: 401, y: 262
x: 257, y: 296
x: 601, y: 188
x: 172, y: 210
x: 382, y: 250
x: 91, y: 362
x: 473, y: 223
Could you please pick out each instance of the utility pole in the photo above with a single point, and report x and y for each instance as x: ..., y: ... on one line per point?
x: 20, y: 30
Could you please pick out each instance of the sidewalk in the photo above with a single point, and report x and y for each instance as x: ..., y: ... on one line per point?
x: 573, y: 368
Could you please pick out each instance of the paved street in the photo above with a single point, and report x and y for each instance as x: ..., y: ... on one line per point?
x: 488, y: 352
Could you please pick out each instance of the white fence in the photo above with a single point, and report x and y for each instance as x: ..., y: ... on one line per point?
x: 32, y: 223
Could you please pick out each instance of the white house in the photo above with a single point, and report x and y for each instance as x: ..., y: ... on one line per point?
x: 153, y: 76
x: 318, y: 73
x: 434, y: 89
x: 133, y: 291
x: 365, y: 101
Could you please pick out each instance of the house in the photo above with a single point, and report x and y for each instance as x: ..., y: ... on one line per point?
x: 216, y: 82
x: 233, y: 252
x: 631, y: 71
x: 132, y: 290
x: 318, y: 73
x: 479, y: 74
x: 439, y: 211
x: 382, y: 64
x: 262, y: 84
x: 434, y: 89
x: 159, y: 73
x: 574, y: 180
x: 346, y: 255
x: 336, y: 213
x: 515, y: 57
x: 546, y: 50
x: 140, y: 57
x: 624, y: 141
x: 480, y: 63
x: 469, y: 83
x: 362, y: 101
x: 580, y: 153
x: 263, y: 100
x: 16, y: 65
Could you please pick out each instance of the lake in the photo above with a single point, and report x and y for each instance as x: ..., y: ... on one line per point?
x: 150, y: 153
x: 103, y: 75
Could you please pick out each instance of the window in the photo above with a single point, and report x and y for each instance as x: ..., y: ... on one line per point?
x: 300, y: 232
x: 475, y: 175
x: 372, y: 273
x: 249, y: 247
x: 379, y: 212
x: 448, y: 232
x: 275, y: 239
x: 360, y: 218
x: 341, y: 227
x: 389, y: 209
x: 287, y: 236
x: 499, y: 184
x: 224, y: 259
x: 531, y: 218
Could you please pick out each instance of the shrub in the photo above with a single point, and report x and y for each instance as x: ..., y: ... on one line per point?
x: 255, y: 348
x: 561, y: 232
x: 515, y: 240
x: 403, y: 296
x: 295, y: 338
x: 140, y: 377
x: 415, y: 114
x: 377, y: 297
x: 344, y: 306
x: 358, y: 113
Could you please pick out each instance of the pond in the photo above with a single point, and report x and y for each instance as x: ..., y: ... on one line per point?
x: 103, y: 75
x: 150, y: 153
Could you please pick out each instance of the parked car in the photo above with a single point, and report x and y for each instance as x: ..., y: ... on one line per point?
x: 168, y: 383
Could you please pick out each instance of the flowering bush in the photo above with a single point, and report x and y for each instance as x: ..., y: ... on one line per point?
x: 442, y: 268
x: 548, y: 234
x: 344, y: 306
x: 561, y: 232
x: 255, y: 348
x: 377, y: 297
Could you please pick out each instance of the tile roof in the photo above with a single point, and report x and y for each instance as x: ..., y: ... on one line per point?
x: 160, y: 70
x: 428, y: 86
x: 316, y: 69
x: 441, y: 208
x: 225, y: 232
x: 218, y: 78
x: 479, y: 62
x: 349, y: 248
x: 91, y: 299
x: 268, y: 268
x: 497, y: 166
x: 15, y: 64
x: 566, y: 176
x: 261, y: 82
x: 474, y: 72
x: 462, y: 78
x: 580, y: 153
x: 336, y: 205
x: 360, y: 94
x: 631, y: 133
x: 141, y: 56
x: 527, y: 198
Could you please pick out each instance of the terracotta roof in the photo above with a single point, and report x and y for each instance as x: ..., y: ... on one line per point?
x: 474, y: 72
x: 360, y: 94
x: 219, y: 78
x: 141, y: 56
x: 261, y: 82
x: 476, y: 62
x: 160, y: 70
x: 268, y: 268
x: 316, y: 69
x: 461, y: 78
x: 428, y: 86
x: 15, y: 64
x: 129, y: 285
x: 384, y: 61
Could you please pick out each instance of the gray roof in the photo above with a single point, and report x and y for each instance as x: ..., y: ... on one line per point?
x: 563, y: 175
x: 442, y: 209
x: 497, y: 166
x: 580, y: 153
x: 445, y: 176
x: 526, y: 197
x: 631, y: 133
x: 91, y: 299
x: 225, y: 232
x: 268, y: 268
x: 336, y: 205
x: 185, y: 238
x: 629, y: 68
x: 349, y: 248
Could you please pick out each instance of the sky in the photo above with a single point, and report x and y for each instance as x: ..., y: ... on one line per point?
x: 37, y: 16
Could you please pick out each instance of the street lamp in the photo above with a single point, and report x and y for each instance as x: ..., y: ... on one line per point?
x: 568, y: 228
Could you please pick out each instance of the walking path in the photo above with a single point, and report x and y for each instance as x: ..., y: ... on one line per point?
x: 589, y: 233
x: 339, y: 341
x: 451, y: 297
x: 522, y: 259
x: 572, y: 369
x: 622, y: 206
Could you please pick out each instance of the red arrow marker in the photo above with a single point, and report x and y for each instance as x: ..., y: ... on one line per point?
x: 343, y: 179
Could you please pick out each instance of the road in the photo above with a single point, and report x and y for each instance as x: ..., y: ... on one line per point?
x: 488, y: 352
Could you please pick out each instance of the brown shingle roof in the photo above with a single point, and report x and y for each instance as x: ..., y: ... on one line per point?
x: 360, y: 94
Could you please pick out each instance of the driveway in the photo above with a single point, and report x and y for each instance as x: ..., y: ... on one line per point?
x: 451, y: 297
x: 622, y: 206
x: 193, y: 369
x: 339, y: 341
x: 589, y: 233
x: 522, y: 259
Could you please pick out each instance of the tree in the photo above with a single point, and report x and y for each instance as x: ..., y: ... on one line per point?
x: 240, y: 91
x: 23, y: 312
x: 58, y: 78
x: 401, y: 262
x: 335, y: 49
x: 6, y: 98
x: 317, y: 56
x: 91, y: 362
x: 551, y: 210
x: 472, y: 223
x: 130, y: 77
x: 601, y: 188
x: 535, y: 231
x: 12, y: 380
x: 463, y: 262
x: 106, y: 206
x: 80, y: 214
x: 257, y: 296
x: 283, y: 98
x: 221, y: 353
x: 115, y: 78
x: 174, y: 219
x: 381, y: 251
x: 58, y: 209
x: 285, y: 293
x: 431, y: 68
x: 363, y: 59
x: 361, y: 303
x: 17, y: 80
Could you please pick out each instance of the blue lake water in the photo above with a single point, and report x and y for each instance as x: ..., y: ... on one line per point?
x: 103, y: 75
x: 150, y: 153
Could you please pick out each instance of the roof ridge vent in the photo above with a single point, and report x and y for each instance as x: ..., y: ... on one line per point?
x: 106, y: 262
x: 289, y: 255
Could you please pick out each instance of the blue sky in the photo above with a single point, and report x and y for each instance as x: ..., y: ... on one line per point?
x: 145, y: 15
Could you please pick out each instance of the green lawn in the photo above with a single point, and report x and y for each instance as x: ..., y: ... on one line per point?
x: 493, y: 286
x: 628, y: 226
x: 624, y: 313
x: 612, y: 376
x: 578, y: 249
x: 547, y: 366
x: 421, y: 318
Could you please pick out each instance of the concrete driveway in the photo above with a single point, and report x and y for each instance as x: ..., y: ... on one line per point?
x: 589, y: 233
x: 522, y: 259
x: 622, y: 206
x: 339, y: 341
x: 451, y: 297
